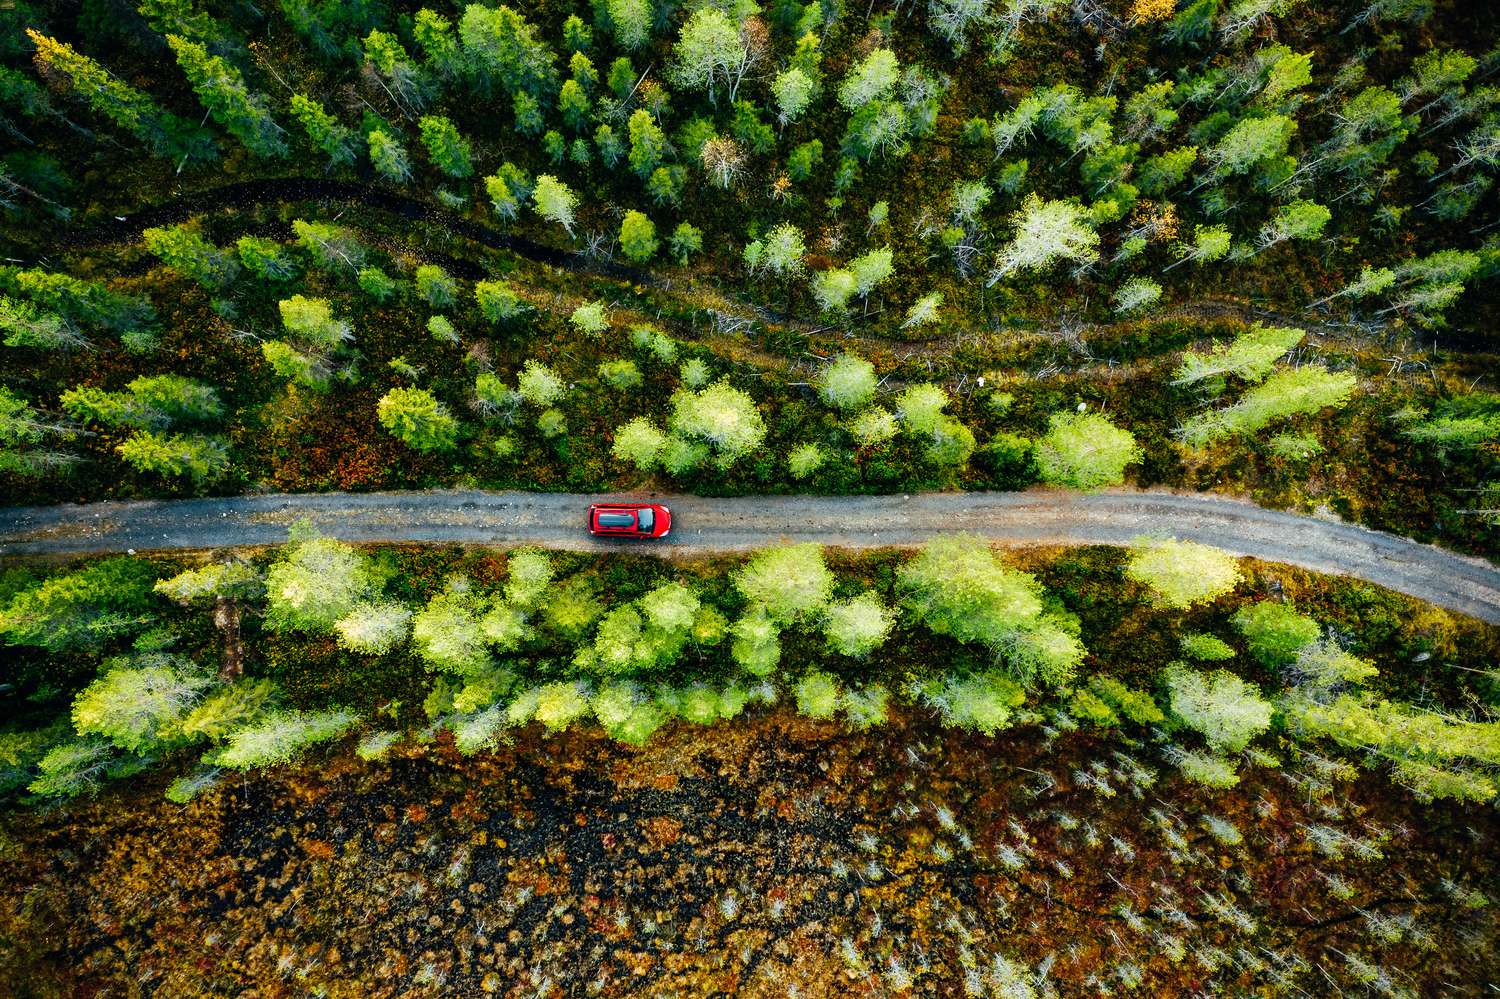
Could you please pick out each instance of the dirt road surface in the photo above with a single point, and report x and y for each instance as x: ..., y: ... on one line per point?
x: 707, y: 524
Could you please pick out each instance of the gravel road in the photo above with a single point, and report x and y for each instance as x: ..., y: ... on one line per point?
x: 1036, y: 517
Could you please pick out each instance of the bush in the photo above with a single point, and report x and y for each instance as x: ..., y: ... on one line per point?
x: 817, y: 694
x: 921, y: 407
x: 1133, y: 704
x: 1205, y: 647
x: 1084, y: 451
x: 620, y: 374
x: 865, y: 707
x: 848, y: 383
x: 1275, y: 631
x: 83, y: 610
x: 1224, y: 709
x: 560, y: 704
x: 804, y: 460
x: 539, y: 384
x: 1205, y: 769
x: 77, y: 767
x: 1182, y: 573
x: 791, y: 583
x: 626, y: 713
x: 374, y: 746
x: 417, y: 419
x: 590, y: 317
x: 874, y: 426
x: 497, y: 300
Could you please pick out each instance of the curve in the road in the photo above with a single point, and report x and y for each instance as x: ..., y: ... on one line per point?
x: 1037, y: 517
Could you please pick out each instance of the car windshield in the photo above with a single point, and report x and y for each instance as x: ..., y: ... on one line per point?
x: 646, y: 518
x: 616, y: 519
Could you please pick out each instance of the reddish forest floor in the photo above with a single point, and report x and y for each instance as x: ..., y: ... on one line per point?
x: 767, y: 857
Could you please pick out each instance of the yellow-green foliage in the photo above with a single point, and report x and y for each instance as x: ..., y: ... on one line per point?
x: 1224, y: 709
x: 1182, y: 573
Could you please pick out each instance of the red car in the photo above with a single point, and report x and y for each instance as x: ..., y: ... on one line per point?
x: 629, y: 520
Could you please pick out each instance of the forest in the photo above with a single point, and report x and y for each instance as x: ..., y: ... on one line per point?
x: 1237, y: 250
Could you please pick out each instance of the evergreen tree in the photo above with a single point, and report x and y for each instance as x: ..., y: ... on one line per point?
x: 417, y: 419
x: 503, y: 48
x: 188, y: 253
x: 440, y: 48
x: 630, y: 20
x: 81, y: 611
x: 449, y: 150
x: 265, y: 258
x: 164, y: 134
x: 386, y: 58
x: 195, y: 456
x: 223, y: 93
x: 647, y: 143
x: 324, y: 131
x: 389, y: 157
x: 638, y: 237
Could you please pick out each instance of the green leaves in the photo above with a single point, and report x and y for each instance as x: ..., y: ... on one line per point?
x: 1084, y: 451
x: 1181, y: 574
x: 956, y: 587
x: 83, y: 610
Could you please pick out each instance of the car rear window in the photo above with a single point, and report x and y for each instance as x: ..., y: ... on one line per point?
x: 616, y: 520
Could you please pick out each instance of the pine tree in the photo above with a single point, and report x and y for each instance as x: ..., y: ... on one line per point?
x: 183, y: 250
x: 647, y: 143
x: 449, y: 150
x: 389, y: 157
x: 440, y: 49
x: 164, y: 134
x: 387, y: 60
x: 324, y: 131
x: 417, y: 419
x: 197, y: 457
x: 222, y: 91
x: 638, y: 237
x: 630, y: 20
x: 502, y: 47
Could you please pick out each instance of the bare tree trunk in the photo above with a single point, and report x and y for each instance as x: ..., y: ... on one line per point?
x: 227, y: 620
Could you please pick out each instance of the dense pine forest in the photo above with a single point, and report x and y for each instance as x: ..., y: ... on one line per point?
x: 1241, y: 249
